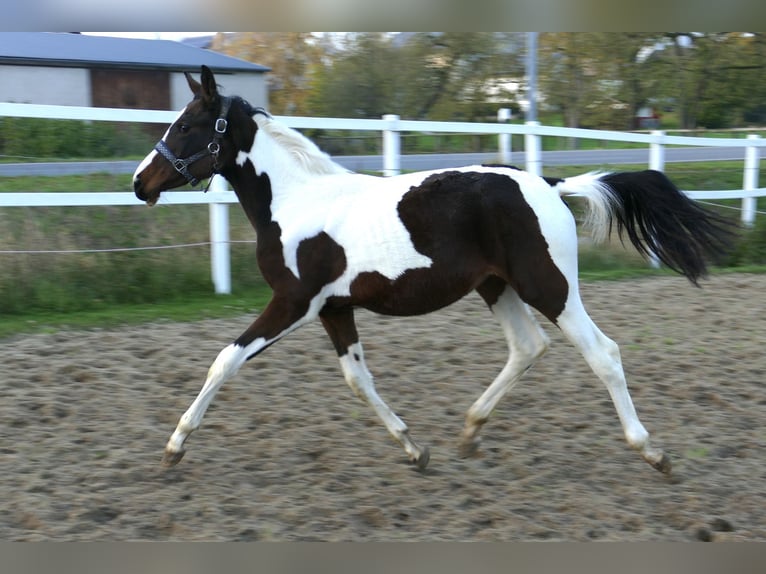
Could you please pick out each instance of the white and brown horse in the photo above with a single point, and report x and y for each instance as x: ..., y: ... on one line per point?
x: 330, y: 240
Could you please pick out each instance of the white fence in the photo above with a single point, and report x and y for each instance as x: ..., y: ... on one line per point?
x: 391, y: 127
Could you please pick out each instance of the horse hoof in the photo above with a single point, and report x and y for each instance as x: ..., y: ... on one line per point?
x: 172, y: 458
x: 422, y: 461
x: 468, y: 449
x: 663, y: 465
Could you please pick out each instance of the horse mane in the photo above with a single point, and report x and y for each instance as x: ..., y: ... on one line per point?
x: 299, y: 147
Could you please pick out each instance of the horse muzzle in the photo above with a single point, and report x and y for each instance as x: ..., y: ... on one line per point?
x: 141, y: 193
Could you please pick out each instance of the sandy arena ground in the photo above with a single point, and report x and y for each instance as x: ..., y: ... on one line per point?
x: 286, y: 452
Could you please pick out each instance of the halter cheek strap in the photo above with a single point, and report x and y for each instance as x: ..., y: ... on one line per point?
x: 213, y: 148
x: 181, y: 165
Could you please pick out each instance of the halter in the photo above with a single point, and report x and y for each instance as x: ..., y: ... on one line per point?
x: 213, y: 148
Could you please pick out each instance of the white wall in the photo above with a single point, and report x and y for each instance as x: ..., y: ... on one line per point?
x: 252, y: 87
x: 45, y: 85
x: 71, y: 86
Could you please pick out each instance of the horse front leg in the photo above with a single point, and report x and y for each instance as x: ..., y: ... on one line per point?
x: 280, y: 317
x: 341, y: 328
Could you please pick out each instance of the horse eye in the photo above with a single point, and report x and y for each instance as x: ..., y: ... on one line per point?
x: 184, y: 128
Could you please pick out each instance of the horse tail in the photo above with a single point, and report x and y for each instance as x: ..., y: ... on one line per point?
x: 658, y: 218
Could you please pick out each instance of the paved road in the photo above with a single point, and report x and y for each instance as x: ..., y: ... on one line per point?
x: 421, y: 161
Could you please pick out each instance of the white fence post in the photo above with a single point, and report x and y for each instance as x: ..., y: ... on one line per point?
x: 504, y: 140
x: 656, y: 161
x: 532, y: 145
x: 750, y: 181
x: 220, y: 256
x: 657, y: 152
x: 392, y: 146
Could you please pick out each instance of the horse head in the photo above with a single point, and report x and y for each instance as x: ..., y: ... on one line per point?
x: 197, y: 145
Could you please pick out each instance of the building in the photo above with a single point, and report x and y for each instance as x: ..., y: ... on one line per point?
x: 99, y: 71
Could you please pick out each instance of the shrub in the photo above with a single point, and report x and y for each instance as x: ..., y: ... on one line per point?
x: 44, y: 138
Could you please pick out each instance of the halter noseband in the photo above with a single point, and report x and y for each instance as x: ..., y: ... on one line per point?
x: 213, y: 148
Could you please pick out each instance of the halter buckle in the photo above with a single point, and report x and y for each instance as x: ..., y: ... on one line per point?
x: 180, y: 165
x: 220, y: 125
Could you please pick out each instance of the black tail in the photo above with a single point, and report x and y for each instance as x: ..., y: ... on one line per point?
x: 658, y: 218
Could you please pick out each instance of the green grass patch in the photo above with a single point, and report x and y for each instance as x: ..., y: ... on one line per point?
x: 72, y: 183
x: 697, y: 453
x: 192, y: 308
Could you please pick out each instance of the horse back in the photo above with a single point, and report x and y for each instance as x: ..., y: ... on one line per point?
x: 419, y: 243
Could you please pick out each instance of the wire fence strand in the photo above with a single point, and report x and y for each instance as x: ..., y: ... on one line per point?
x: 735, y: 208
x: 117, y: 249
x: 208, y: 243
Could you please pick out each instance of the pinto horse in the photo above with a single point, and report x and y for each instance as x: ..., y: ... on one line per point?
x: 330, y: 240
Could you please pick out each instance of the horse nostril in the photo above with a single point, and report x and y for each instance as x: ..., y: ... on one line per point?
x: 138, y: 189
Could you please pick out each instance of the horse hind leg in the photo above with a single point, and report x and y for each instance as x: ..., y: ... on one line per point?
x: 341, y: 328
x: 527, y: 342
x: 603, y: 356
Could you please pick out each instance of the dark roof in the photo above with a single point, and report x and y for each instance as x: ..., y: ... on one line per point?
x: 79, y: 50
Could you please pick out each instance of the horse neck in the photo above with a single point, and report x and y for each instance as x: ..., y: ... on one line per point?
x: 287, y: 156
x: 279, y: 160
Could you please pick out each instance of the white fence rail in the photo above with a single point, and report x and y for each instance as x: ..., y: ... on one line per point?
x: 391, y: 127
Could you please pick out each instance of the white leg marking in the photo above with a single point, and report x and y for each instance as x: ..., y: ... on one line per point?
x: 361, y: 382
x: 601, y: 353
x: 228, y: 362
x: 526, y: 343
x: 603, y: 356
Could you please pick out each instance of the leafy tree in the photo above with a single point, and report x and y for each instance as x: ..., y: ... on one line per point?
x: 358, y: 81
x: 715, y: 77
x: 566, y: 63
x: 292, y: 57
x: 597, y: 80
x: 627, y: 66
x: 754, y: 85
x: 416, y: 75
x: 462, y: 67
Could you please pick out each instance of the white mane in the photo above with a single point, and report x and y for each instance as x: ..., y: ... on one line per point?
x: 299, y: 148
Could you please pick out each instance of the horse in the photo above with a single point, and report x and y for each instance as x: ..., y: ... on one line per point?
x: 330, y: 240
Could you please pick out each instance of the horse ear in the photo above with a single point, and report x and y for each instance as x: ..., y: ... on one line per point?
x: 194, y: 85
x: 209, y: 88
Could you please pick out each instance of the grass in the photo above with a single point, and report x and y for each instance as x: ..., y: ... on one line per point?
x: 85, y: 182
x: 697, y: 453
x: 245, y: 302
x: 193, y: 308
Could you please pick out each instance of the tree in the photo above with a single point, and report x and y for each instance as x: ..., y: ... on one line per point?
x: 292, y: 57
x: 368, y: 74
x: 565, y: 66
x: 416, y: 75
x: 460, y: 68
x: 357, y: 81
x: 597, y: 80
x: 632, y: 72
x: 755, y: 109
x: 716, y: 78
